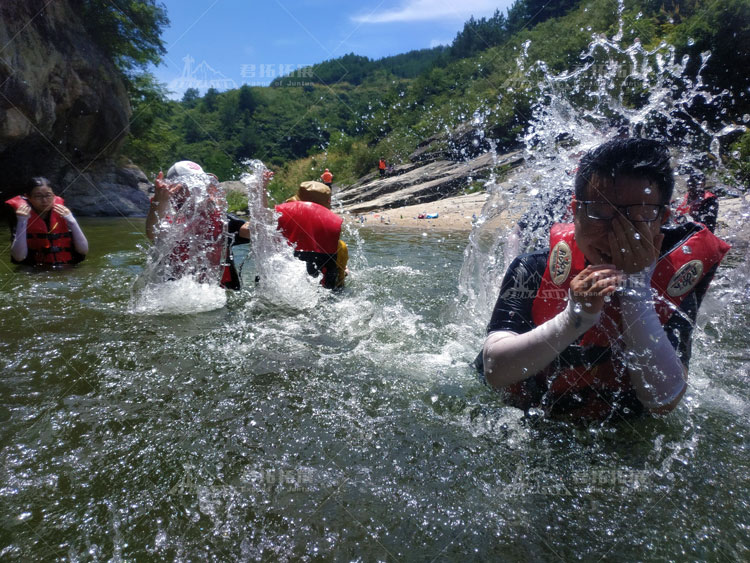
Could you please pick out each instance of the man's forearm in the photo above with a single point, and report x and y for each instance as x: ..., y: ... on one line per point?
x: 510, y: 357
x: 657, y: 374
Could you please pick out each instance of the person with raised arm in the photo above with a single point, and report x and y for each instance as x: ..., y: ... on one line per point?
x: 599, y: 326
x: 219, y: 231
x: 44, y: 232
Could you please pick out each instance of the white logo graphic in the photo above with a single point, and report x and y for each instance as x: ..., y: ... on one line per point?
x: 201, y: 77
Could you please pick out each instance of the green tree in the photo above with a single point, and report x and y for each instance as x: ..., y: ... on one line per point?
x: 128, y: 31
x: 190, y: 97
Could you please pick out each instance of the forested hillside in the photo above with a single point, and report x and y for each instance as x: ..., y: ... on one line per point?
x: 353, y: 110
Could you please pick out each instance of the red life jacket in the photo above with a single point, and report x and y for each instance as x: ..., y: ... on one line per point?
x: 327, y: 177
x: 687, y: 207
x: 210, y: 226
x: 314, y: 230
x: 381, y: 165
x: 588, y: 391
x: 48, y: 246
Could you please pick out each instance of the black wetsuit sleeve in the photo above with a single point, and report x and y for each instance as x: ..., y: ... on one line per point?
x: 233, y: 227
x: 517, y: 293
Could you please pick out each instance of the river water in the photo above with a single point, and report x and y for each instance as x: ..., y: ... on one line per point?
x: 340, y: 427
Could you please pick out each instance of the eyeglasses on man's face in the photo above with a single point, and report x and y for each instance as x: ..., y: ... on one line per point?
x: 639, y: 212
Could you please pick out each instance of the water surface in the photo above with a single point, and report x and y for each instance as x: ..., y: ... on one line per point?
x: 341, y: 427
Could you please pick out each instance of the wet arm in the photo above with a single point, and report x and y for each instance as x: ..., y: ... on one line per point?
x: 515, y: 348
x: 244, y: 231
x: 80, y: 243
x: 510, y: 357
x: 156, y: 211
x: 657, y: 374
x: 19, y: 249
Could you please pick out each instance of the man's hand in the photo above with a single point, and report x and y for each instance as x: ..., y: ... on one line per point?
x: 593, y: 284
x: 633, y: 246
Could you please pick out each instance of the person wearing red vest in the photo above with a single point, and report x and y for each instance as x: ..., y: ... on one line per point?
x: 44, y: 232
x: 327, y: 178
x: 382, y: 167
x: 600, y: 325
x: 699, y: 203
x: 307, y: 222
x: 214, y: 232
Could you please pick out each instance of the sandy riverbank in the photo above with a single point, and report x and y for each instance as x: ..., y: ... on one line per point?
x: 458, y: 213
x: 455, y: 214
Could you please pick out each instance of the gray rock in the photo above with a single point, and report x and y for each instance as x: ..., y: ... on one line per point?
x: 62, y: 102
x: 416, y: 183
x: 106, y: 190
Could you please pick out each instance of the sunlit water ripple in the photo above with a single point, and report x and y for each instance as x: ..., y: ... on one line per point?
x: 350, y: 430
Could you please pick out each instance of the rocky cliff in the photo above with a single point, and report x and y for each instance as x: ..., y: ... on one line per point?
x: 64, y: 110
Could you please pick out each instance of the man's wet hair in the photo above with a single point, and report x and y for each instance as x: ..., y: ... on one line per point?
x: 627, y: 157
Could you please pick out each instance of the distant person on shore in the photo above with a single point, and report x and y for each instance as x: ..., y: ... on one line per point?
x: 308, y: 223
x: 327, y: 178
x: 44, y: 232
x: 699, y: 203
x: 599, y: 326
x: 209, y: 232
x: 382, y: 167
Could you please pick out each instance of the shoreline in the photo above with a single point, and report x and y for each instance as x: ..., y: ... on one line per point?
x: 458, y: 214
x: 453, y: 214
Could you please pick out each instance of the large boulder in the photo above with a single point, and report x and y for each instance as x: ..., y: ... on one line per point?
x: 64, y: 110
x: 416, y: 184
x: 106, y: 189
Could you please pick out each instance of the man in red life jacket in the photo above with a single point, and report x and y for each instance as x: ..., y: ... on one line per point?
x: 600, y: 325
x: 216, y: 232
x: 307, y: 222
x: 327, y: 178
x: 699, y: 203
x: 44, y: 232
x: 382, y: 167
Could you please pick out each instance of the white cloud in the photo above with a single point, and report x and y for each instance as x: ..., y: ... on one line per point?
x: 429, y: 10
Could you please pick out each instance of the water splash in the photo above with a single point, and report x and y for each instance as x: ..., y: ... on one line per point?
x: 189, y: 247
x: 182, y: 296
x: 616, y: 90
x: 281, y: 278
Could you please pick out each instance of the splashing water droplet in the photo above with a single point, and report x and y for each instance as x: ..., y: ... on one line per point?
x: 636, y: 236
x: 647, y: 190
x: 577, y: 308
x: 687, y: 250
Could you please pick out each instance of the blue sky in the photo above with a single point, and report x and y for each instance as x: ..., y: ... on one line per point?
x: 247, y: 41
